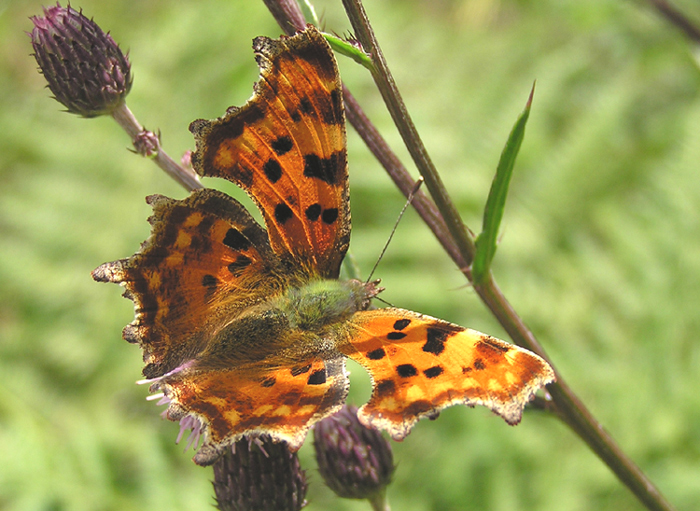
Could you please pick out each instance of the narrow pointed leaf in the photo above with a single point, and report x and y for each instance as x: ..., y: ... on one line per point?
x: 486, y: 242
x: 347, y: 48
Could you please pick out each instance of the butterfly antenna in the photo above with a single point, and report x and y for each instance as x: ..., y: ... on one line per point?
x: 388, y: 304
x: 415, y: 189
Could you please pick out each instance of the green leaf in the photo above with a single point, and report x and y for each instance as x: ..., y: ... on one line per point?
x: 486, y: 242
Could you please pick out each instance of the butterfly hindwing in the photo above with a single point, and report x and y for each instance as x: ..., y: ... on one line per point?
x: 281, y: 402
x: 420, y: 365
x: 206, y: 259
x: 286, y: 149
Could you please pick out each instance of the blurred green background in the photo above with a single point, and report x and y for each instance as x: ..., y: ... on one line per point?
x: 600, y: 251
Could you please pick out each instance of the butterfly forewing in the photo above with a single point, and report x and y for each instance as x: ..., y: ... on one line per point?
x: 206, y: 260
x: 286, y: 148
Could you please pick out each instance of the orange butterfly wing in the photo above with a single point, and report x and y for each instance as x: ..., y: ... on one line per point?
x: 420, y: 365
x: 205, y: 261
x: 286, y: 148
x: 282, y: 402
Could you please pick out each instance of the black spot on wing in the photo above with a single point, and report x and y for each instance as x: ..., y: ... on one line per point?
x: 313, y: 212
x: 437, y: 334
x: 317, y: 377
x: 433, y: 372
x: 406, y: 370
x: 325, y: 169
x: 209, y: 281
x: 436, y: 341
x: 235, y: 240
x: 401, y: 324
x: 283, y: 213
x: 329, y: 215
x: 395, y: 336
x: 282, y: 145
x: 272, y: 170
x: 377, y: 354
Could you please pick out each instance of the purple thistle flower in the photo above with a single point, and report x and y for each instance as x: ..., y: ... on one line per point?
x: 355, y: 461
x: 257, y: 474
x: 84, y: 67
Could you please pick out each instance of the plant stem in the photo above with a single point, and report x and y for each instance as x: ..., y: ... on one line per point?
x: 570, y: 408
x: 379, y: 502
x: 400, y: 175
x: 147, y: 143
x: 678, y: 19
x: 387, y: 88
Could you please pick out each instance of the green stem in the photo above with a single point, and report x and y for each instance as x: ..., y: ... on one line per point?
x: 379, y: 502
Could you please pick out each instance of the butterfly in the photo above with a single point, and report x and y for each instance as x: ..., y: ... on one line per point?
x: 245, y: 330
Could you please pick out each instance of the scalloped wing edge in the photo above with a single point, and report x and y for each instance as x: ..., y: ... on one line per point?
x: 209, y: 451
x: 510, y: 411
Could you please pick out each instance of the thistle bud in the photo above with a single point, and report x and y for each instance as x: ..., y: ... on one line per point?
x: 259, y: 475
x: 355, y: 461
x: 84, y: 67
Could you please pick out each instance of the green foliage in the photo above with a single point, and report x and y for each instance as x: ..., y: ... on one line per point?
x: 599, y: 251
